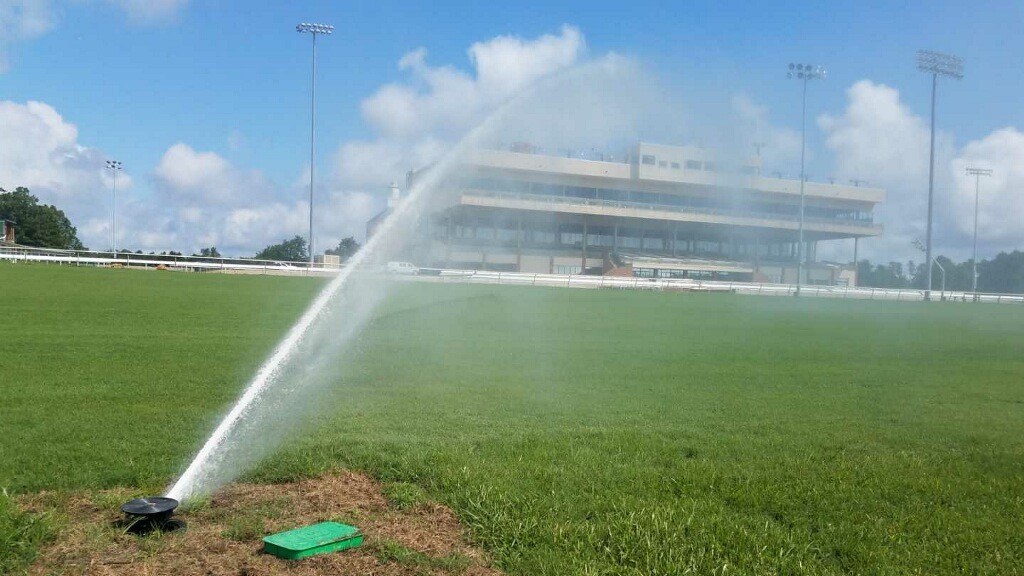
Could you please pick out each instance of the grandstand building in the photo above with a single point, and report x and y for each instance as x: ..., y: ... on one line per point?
x: 659, y: 211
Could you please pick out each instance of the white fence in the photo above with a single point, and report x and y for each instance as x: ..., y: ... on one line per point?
x: 686, y: 285
x: 193, y: 263
x: 242, y: 265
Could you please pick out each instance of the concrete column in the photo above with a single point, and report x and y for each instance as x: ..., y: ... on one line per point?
x: 583, y: 247
x: 519, y: 242
x: 856, y: 265
x: 675, y: 237
x: 448, y: 241
x: 615, y: 237
x: 757, y: 254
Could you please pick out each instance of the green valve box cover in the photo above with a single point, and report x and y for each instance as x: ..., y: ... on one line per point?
x: 312, y: 540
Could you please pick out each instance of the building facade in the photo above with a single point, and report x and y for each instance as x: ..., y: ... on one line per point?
x: 659, y: 211
x: 7, y: 231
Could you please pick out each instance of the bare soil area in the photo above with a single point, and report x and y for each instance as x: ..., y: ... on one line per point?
x: 224, y: 535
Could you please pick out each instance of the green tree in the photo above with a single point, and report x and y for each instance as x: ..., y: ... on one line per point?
x: 210, y: 252
x: 1004, y: 273
x: 37, y: 224
x: 881, y: 276
x: 345, y: 249
x: 293, y: 250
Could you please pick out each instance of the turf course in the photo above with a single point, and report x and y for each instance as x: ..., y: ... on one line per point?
x: 573, y: 431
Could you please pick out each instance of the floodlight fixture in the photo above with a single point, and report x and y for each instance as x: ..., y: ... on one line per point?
x: 807, y: 72
x: 804, y: 73
x: 937, y: 64
x: 306, y: 27
x: 941, y: 64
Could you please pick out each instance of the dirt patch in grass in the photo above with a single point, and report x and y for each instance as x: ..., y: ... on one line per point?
x: 225, y: 534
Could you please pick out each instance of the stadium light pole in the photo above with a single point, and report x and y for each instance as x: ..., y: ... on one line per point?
x: 977, y: 173
x: 313, y: 30
x: 937, y: 64
x: 114, y: 166
x: 804, y: 73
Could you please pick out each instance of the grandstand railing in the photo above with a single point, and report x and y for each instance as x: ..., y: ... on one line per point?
x: 705, y: 211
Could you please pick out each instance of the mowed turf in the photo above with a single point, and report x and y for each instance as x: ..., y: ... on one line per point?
x: 573, y: 431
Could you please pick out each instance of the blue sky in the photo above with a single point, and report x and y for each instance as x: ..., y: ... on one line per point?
x: 231, y: 77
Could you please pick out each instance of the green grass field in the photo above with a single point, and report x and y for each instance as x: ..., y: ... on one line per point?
x: 573, y: 431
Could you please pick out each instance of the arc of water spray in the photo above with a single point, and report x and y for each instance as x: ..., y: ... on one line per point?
x: 191, y: 482
x: 188, y: 484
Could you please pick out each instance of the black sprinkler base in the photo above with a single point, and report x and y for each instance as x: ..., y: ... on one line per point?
x: 146, y: 515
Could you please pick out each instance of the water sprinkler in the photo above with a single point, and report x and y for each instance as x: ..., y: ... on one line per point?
x: 145, y: 515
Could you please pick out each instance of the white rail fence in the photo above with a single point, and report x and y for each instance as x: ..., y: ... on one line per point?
x: 193, y: 263
x: 242, y: 265
x: 687, y: 285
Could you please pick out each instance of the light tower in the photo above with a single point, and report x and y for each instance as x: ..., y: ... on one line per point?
x: 977, y: 173
x: 313, y: 30
x: 804, y: 73
x: 937, y: 64
x: 114, y: 166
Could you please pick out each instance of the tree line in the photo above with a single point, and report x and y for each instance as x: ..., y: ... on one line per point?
x: 46, y: 226
x: 1004, y: 273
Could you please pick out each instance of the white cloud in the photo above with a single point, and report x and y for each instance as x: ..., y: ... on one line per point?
x: 418, y: 119
x: 880, y: 139
x: 1001, y: 201
x: 188, y: 176
x: 40, y: 150
x: 779, y: 146
x: 202, y: 199
x: 198, y: 198
x: 450, y: 100
x: 150, y: 11
x: 23, y: 20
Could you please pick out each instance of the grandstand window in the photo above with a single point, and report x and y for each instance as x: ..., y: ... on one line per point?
x: 607, y: 194
x: 675, y: 165
x: 578, y: 192
x: 693, y: 165
x: 506, y: 235
x: 663, y: 164
x: 516, y: 186
x: 648, y: 159
x: 547, y: 189
x: 645, y: 197
x: 628, y: 241
x: 541, y: 236
x: 654, y: 243
x: 644, y: 272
